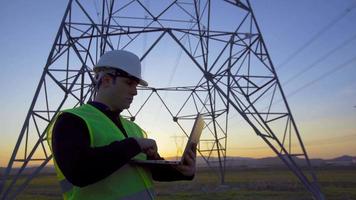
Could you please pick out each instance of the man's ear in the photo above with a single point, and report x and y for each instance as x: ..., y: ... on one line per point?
x: 106, y: 81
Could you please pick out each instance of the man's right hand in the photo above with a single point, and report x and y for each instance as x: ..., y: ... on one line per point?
x: 148, y: 146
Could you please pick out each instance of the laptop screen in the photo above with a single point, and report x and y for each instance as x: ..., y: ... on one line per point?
x: 195, y: 134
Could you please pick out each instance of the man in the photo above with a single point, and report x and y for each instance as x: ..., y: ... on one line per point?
x: 93, y: 145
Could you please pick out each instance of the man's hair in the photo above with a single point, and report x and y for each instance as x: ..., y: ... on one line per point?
x: 99, y: 74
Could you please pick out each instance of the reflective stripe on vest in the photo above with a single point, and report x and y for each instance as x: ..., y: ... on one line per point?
x: 128, y: 182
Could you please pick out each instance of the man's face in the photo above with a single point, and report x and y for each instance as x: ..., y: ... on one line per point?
x: 122, y: 90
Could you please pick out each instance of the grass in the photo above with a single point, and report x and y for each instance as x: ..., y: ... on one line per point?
x: 249, y: 184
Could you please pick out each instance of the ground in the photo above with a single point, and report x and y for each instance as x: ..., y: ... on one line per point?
x: 242, y: 184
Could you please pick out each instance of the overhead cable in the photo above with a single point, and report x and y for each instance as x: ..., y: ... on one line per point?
x: 325, y: 56
x: 318, y: 34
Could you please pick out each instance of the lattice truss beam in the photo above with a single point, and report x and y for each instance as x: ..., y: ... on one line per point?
x: 217, y: 42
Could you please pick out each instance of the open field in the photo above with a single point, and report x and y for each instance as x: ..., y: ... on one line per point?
x: 248, y: 184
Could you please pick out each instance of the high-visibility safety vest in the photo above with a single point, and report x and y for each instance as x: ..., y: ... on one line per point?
x: 128, y: 182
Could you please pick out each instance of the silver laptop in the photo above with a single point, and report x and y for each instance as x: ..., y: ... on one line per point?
x: 193, y: 139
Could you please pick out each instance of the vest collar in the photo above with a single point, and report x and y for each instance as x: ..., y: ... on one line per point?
x: 105, y: 109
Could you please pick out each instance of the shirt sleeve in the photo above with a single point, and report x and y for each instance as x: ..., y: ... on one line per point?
x: 81, y: 164
x: 168, y: 173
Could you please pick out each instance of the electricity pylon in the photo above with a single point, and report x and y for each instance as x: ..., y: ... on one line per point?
x: 219, y: 43
x: 179, y: 141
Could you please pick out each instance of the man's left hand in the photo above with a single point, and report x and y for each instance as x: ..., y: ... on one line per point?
x: 187, y: 168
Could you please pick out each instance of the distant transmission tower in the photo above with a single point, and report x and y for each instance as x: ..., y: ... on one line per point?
x: 179, y: 141
x: 221, y: 46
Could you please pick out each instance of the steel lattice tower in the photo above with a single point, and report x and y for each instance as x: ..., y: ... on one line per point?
x: 234, y: 75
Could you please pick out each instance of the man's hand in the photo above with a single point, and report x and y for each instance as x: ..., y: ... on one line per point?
x: 148, y: 146
x: 188, y: 166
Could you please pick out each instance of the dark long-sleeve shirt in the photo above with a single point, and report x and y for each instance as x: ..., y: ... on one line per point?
x: 83, y: 165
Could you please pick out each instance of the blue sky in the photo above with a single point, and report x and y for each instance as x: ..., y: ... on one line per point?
x: 324, y: 109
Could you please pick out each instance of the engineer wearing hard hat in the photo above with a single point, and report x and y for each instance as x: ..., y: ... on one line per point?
x: 93, y: 145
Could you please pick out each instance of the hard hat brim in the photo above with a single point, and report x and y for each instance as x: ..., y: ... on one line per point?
x: 143, y: 83
x: 140, y: 81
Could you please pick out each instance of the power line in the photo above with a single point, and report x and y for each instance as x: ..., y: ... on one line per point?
x: 325, y: 56
x: 318, y: 34
x: 318, y: 142
x: 326, y: 74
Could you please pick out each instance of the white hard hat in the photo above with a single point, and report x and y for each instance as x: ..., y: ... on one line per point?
x: 122, y: 60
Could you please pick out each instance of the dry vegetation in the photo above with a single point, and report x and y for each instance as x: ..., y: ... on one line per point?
x: 248, y: 184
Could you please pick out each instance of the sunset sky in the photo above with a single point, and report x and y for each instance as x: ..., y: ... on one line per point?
x: 312, y: 44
